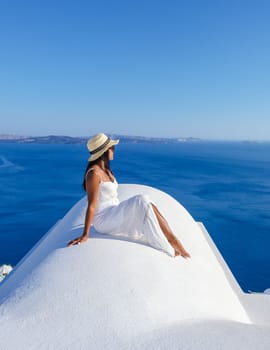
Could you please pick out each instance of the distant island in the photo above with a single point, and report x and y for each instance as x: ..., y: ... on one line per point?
x: 76, y: 140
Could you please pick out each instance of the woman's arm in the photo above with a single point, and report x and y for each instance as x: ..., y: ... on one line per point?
x: 92, y: 186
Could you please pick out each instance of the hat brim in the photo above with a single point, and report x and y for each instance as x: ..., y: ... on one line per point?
x: 99, y: 154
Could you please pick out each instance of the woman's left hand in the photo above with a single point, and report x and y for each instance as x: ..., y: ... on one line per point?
x: 78, y: 240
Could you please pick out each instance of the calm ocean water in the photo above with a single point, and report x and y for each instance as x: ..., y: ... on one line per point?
x: 224, y: 185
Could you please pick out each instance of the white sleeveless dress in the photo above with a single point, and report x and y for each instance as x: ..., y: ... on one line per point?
x: 133, y: 218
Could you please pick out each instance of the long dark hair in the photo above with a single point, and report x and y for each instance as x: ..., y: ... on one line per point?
x: 105, y: 158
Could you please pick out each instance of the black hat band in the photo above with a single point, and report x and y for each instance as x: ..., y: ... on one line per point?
x: 101, y: 147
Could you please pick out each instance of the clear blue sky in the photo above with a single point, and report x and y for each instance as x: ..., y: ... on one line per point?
x: 150, y: 68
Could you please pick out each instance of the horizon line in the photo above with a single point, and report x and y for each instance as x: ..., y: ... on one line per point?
x: 13, y: 136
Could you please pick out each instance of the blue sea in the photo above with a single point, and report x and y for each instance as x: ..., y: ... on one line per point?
x: 225, y: 185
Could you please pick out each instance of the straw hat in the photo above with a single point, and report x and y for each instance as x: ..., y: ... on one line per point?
x: 98, y: 145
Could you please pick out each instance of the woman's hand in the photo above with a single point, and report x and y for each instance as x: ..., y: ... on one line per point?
x: 78, y: 240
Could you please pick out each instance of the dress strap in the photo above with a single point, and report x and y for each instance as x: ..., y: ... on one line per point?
x: 94, y: 171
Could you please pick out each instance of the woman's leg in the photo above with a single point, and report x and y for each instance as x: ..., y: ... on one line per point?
x: 174, y: 242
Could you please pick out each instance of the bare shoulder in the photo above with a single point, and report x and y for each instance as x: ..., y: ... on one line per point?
x: 93, y: 174
x: 92, y: 182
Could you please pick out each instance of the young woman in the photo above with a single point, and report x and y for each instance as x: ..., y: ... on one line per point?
x: 136, y: 217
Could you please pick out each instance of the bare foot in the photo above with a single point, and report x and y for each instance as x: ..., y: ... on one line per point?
x: 185, y: 254
x: 182, y: 253
x: 176, y: 253
x: 179, y: 249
